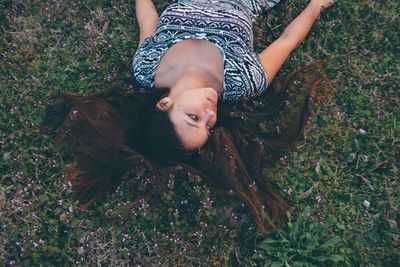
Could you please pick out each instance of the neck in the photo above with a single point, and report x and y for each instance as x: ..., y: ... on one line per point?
x: 191, y: 78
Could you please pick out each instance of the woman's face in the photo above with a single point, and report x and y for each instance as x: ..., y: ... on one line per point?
x: 193, y: 113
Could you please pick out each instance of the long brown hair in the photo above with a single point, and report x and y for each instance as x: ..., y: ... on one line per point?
x: 109, y: 133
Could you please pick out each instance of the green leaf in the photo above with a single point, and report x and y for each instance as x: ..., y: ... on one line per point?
x: 307, y: 211
x: 268, y: 241
x: 332, y: 242
x: 321, y: 258
x: 335, y: 258
x: 276, y: 264
x: 268, y: 244
x: 340, y: 226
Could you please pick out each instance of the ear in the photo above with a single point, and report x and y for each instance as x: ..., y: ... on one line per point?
x: 164, y: 104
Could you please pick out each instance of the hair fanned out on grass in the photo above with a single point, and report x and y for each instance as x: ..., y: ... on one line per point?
x: 111, y: 133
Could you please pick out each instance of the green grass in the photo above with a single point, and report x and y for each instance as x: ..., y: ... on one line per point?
x: 342, y: 183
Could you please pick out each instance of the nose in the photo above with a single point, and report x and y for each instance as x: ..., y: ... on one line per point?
x: 210, y: 117
x: 209, y: 112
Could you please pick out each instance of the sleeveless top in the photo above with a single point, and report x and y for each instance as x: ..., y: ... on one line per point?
x: 226, y: 24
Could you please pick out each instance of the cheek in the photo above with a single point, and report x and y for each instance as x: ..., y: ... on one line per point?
x: 206, y: 137
x: 175, y: 115
x: 202, y: 138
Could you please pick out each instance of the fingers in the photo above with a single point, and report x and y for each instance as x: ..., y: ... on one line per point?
x: 323, y: 4
x: 327, y: 4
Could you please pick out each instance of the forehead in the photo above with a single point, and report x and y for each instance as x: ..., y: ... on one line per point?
x: 191, y: 137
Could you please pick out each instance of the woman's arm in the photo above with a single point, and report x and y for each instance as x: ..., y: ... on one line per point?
x: 273, y: 57
x: 147, y: 17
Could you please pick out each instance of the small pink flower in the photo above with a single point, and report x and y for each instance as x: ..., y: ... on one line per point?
x: 288, y: 190
x: 318, y: 198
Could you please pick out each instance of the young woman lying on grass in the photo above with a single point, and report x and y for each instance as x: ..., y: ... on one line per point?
x: 195, y: 61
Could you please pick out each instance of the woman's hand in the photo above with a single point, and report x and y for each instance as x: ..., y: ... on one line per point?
x: 322, y: 4
x: 275, y: 55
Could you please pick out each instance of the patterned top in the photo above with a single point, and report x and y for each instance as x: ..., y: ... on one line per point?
x: 226, y: 24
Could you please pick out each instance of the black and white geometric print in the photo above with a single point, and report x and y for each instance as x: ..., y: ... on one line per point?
x: 227, y: 24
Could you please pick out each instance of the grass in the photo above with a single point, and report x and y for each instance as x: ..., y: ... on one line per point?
x: 342, y: 183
